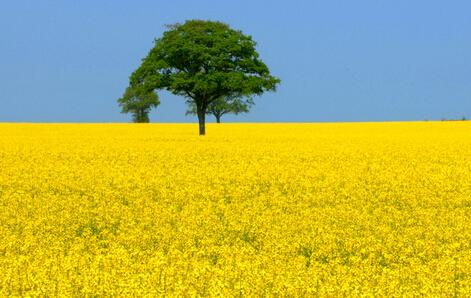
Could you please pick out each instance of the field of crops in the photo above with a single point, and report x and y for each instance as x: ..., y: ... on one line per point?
x: 250, y: 209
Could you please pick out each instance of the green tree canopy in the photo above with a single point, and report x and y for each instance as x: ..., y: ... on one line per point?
x: 138, y: 102
x: 204, y: 61
x: 224, y: 105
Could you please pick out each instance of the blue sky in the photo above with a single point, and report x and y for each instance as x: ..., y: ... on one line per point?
x: 366, y: 60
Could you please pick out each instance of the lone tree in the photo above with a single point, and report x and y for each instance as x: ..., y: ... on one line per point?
x: 224, y: 105
x: 204, y: 61
x: 139, y: 103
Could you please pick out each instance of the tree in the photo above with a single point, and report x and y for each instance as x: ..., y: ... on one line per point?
x: 224, y: 105
x: 138, y: 102
x: 204, y: 61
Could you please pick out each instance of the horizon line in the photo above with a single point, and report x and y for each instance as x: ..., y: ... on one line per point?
x: 248, y: 122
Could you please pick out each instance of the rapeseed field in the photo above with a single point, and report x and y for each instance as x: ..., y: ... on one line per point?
x: 347, y: 209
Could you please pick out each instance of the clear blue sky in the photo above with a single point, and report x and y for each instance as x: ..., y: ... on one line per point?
x: 366, y: 60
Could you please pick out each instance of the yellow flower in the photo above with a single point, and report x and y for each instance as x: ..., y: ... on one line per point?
x: 351, y: 209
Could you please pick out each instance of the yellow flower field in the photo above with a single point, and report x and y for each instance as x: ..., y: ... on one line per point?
x: 365, y: 209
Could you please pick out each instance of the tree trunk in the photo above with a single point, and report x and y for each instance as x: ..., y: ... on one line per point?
x: 218, y: 118
x: 140, y: 116
x: 201, y: 111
